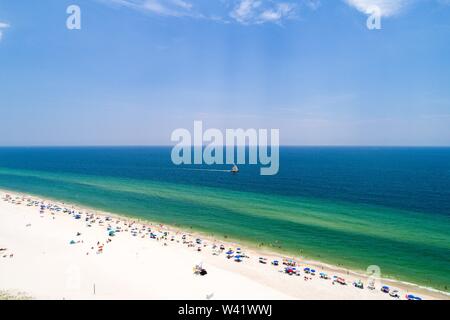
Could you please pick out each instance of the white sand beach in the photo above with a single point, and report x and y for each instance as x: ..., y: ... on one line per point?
x: 139, y: 261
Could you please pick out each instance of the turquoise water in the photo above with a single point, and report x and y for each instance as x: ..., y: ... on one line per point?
x: 352, y: 207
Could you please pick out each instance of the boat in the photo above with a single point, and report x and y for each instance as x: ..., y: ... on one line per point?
x: 235, y: 169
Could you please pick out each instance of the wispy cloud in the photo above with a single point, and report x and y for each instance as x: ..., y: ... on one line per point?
x: 3, y: 25
x: 387, y: 8
x: 170, y: 8
x: 312, y: 4
x: 245, y: 9
x: 261, y: 11
x: 241, y: 11
x: 248, y: 12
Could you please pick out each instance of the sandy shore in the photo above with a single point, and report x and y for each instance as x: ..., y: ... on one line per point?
x: 39, y: 261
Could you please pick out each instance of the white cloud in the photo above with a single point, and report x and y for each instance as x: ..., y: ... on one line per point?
x: 170, y: 8
x: 183, y: 4
x: 312, y: 4
x: 261, y: 11
x: 174, y: 8
x: 241, y: 11
x: 387, y: 7
x: 249, y: 12
x: 282, y: 10
x: 245, y: 10
x: 3, y: 25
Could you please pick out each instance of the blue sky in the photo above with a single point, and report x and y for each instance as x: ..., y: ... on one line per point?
x: 138, y: 69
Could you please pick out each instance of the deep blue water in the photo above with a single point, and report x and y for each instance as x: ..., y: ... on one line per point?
x: 416, y: 179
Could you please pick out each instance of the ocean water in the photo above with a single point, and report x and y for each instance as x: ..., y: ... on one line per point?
x: 352, y: 207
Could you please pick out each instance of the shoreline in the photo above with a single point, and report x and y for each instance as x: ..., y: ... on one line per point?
x: 252, y: 250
